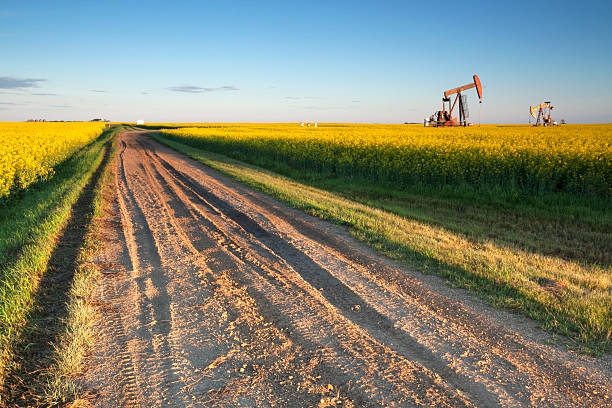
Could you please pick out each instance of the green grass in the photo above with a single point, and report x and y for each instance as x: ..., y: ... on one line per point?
x: 548, y: 259
x: 30, y: 221
x: 77, y: 332
x: 558, y: 226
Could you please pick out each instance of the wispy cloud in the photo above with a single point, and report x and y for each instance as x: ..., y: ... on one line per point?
x: 187, y: 89
x: 10, y: 103
x: 199, y: 89
x: 294, y: 98
x: 60, y: 106
x: 323, y: 107
x: 144, y: 93
x: 19, y: 83
x: 356, y: 101
x: 44, y: 94
x: 97, y: 91
x: 222, y: 88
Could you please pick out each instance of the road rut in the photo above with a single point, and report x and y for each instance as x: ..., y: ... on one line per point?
x: 216, y: 295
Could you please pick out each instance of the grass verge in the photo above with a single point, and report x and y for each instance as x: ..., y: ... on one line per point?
x: 502, y: 254
x: 78, y: 331
x: 44, y: 242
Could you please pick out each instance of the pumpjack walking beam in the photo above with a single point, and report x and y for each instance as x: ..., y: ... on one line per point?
x: 457, y: 91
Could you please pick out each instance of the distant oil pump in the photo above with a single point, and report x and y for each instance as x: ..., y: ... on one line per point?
x: 541, y: 114
x: 445, y: 117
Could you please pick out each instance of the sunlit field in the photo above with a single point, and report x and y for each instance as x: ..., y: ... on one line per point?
x: 29, y: 151
x: 572, y: 159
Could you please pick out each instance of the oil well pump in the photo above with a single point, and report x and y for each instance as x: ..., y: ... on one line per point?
x: 541, y: 114
x: 445, y: 117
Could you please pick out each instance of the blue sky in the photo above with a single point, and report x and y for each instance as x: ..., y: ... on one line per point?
x: 268, y: 61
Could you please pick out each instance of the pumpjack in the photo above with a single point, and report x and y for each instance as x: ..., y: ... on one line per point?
x: 445, y: 117
x: 541, y: 114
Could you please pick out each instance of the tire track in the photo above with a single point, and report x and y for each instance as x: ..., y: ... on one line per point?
x: 315, y: 276
x: 154, y: 315
x: 474, y: 358
x: 232, y: 248
x: 560, y: 380
x: 275, y: 277
x: 479, y: 343
x: 234, y: 300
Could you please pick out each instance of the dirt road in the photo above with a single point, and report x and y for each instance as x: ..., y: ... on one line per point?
x: 215, y: 295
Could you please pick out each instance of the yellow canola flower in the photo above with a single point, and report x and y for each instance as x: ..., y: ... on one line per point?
x: 30, y: 150
x: 572, y: 158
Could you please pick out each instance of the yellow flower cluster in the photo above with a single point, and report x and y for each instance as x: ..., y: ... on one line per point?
x: 572, y: 158
x: 30, y: 150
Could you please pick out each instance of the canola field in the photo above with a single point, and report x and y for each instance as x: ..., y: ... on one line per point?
x: 576, y: 159
x: 30, y: 150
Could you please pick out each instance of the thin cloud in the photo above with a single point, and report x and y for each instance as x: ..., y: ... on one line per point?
x: 19, y: 83
x: 356, y: 101
x: 304, y: 97
x: 44, y: 94
x: 97, y: 91
x: 199, y: 89
x: 187, y: 89
x: 322, y: 107
x: 60, y: 106
x: 10, y: 103
x: 221, y: 88
x: 144, y: 93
